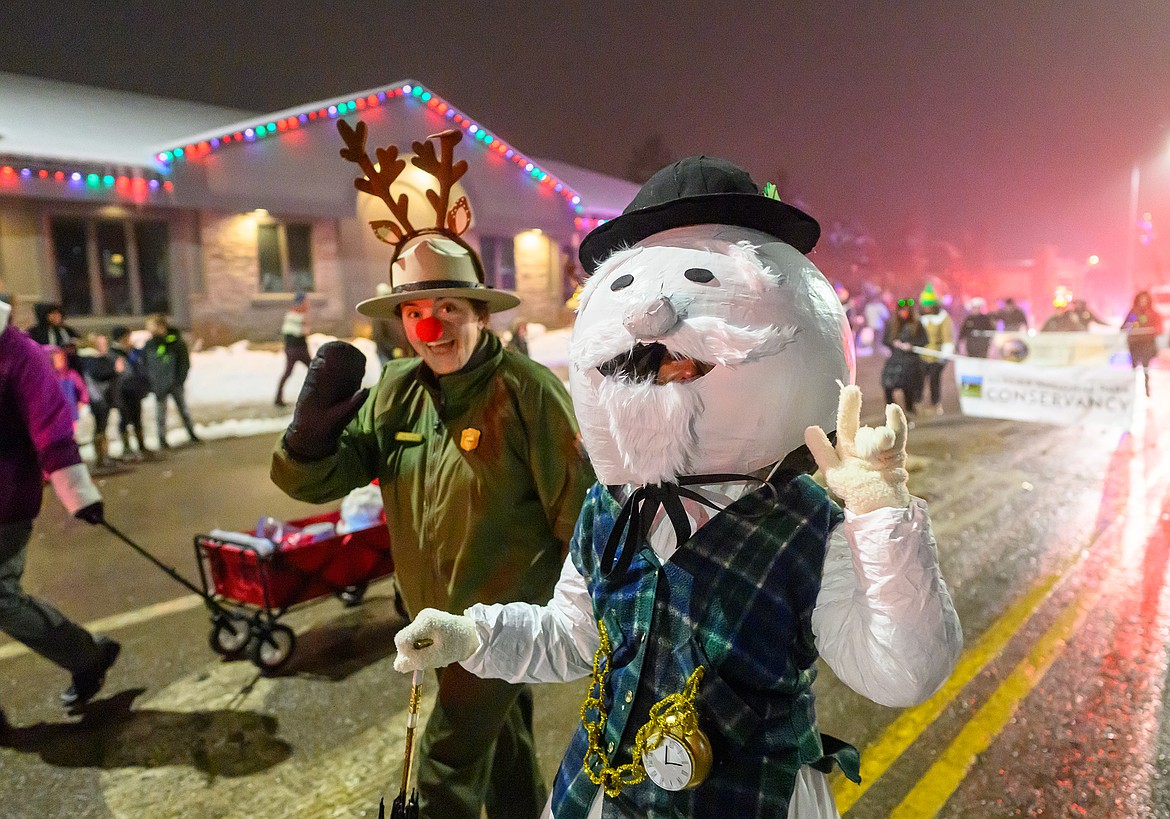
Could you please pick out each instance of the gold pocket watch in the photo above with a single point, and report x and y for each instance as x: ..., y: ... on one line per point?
x: 670, y: 749
x: 676, y: 759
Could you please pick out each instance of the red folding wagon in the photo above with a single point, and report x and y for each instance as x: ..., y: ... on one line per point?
x: 248, y: 592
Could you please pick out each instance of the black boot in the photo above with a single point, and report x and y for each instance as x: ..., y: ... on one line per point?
x: 88, y: 683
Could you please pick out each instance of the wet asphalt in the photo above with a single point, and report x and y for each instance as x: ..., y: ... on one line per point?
x: 1054, y: 542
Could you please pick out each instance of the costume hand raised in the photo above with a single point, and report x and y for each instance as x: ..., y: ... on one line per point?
x: 329, y: 400
x: 867, y: 469
x: 441, y: 639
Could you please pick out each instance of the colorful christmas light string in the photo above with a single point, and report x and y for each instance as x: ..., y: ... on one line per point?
x: 411, y: 91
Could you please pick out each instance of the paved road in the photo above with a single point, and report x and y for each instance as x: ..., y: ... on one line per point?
x: 1054, y: 542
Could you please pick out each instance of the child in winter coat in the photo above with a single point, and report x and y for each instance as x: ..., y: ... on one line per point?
x: 167, y: 362
x: 131, y: 385
x: 72, y: 384
x: 100, y: 368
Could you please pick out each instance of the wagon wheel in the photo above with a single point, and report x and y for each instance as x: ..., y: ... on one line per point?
x: 353, y: 595
x: 229, y: 634
x: 272, y: 647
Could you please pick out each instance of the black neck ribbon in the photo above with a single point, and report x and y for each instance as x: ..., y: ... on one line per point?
x: 639, y: 510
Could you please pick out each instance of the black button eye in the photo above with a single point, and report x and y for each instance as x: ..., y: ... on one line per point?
x: 621, y: 282
x: 699, y: 274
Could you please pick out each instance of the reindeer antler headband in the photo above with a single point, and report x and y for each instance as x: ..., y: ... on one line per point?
x: 451, y: 223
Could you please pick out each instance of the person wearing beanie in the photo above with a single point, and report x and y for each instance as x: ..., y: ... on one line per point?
x: 940, y: 340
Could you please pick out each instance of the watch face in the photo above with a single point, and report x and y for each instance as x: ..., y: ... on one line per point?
x: 669, y: 766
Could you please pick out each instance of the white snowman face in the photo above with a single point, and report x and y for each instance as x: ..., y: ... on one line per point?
x: 704, y: 349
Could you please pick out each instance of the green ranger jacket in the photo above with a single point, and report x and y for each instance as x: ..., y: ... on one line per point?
x: 481, y: 472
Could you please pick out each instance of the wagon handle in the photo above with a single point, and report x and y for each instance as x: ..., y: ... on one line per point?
x: 174, y: 574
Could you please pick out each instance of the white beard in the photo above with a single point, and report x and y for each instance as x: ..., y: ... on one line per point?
x: 653, y: 426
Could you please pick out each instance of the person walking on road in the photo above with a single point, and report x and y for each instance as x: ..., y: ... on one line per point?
x: 977, y: 329
x: 1142, y: 326
x: 168, y: 362
x: 36, y: 439
x: 482, y: 476
x: 295, y: 331
x: 940, y: 340
x: 1011, y: 318
x: 903, y: 369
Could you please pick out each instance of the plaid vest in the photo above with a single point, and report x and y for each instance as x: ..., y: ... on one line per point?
x: 737, y: 598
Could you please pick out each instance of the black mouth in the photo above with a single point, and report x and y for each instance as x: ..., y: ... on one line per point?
x: 653, y: 362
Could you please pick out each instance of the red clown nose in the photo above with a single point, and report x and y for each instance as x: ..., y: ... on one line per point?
x: 429, y: 329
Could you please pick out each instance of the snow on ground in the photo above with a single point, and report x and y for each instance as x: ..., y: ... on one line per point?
x: 230, y: 390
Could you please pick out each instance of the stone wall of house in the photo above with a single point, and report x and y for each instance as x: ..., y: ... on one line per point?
x: 226, y: 302
x: 539, y: 280
x: 22, y: 259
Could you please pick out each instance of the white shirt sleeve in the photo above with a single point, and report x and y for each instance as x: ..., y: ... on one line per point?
x: 884, y: 620
x: 522, y: 642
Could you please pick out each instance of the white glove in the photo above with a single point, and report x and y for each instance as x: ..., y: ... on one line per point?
x: 452, y: 638
x: 867, y: 470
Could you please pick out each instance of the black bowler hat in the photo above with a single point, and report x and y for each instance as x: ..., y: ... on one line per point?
x: 699, y: 190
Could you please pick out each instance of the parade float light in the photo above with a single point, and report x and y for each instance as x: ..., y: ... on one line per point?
x: 373, y: 99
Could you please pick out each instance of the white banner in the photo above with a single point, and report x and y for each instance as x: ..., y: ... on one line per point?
x: 1080, y: 395
x: 1061, y: 349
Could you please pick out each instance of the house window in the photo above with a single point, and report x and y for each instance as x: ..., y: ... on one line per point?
x: 69, y: 253
x: 499, y: 261
x: 153, y: 266
x: 285, y: 253
x: 110, y: 267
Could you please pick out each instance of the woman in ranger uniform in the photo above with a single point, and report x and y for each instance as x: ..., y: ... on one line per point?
x: 476, y: 451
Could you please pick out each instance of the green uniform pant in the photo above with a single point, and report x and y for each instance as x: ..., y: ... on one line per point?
x: 477, y: 750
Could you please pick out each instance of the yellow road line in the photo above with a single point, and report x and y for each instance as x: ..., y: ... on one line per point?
x: 909, y: 725
x: 123, y: 620
x: 931, y: 793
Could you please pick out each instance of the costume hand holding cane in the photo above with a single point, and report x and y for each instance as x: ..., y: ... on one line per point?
x: 407, y: 808
x: 433, y: 640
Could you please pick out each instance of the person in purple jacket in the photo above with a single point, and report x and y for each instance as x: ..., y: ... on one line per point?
x: 36, y: 439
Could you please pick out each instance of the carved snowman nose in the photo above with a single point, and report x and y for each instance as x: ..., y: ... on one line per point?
x: 429, y: 329
x: 653, y: 320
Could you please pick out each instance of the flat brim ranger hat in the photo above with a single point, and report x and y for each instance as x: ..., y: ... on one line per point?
x: 700, y: 190
x: 428, y: 262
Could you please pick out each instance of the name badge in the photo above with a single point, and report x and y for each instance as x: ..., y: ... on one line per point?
x: 408, y: 437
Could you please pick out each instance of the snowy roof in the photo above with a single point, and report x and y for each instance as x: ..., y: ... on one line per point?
x: 602, y: 196
x: 58, y: 121
x: 308, y: 114
x: 52, y: 120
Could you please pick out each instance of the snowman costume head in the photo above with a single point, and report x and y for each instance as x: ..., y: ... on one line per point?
x: 705, y: 341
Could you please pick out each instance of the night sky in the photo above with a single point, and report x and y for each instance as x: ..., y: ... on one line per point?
x: 1015, y: 123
